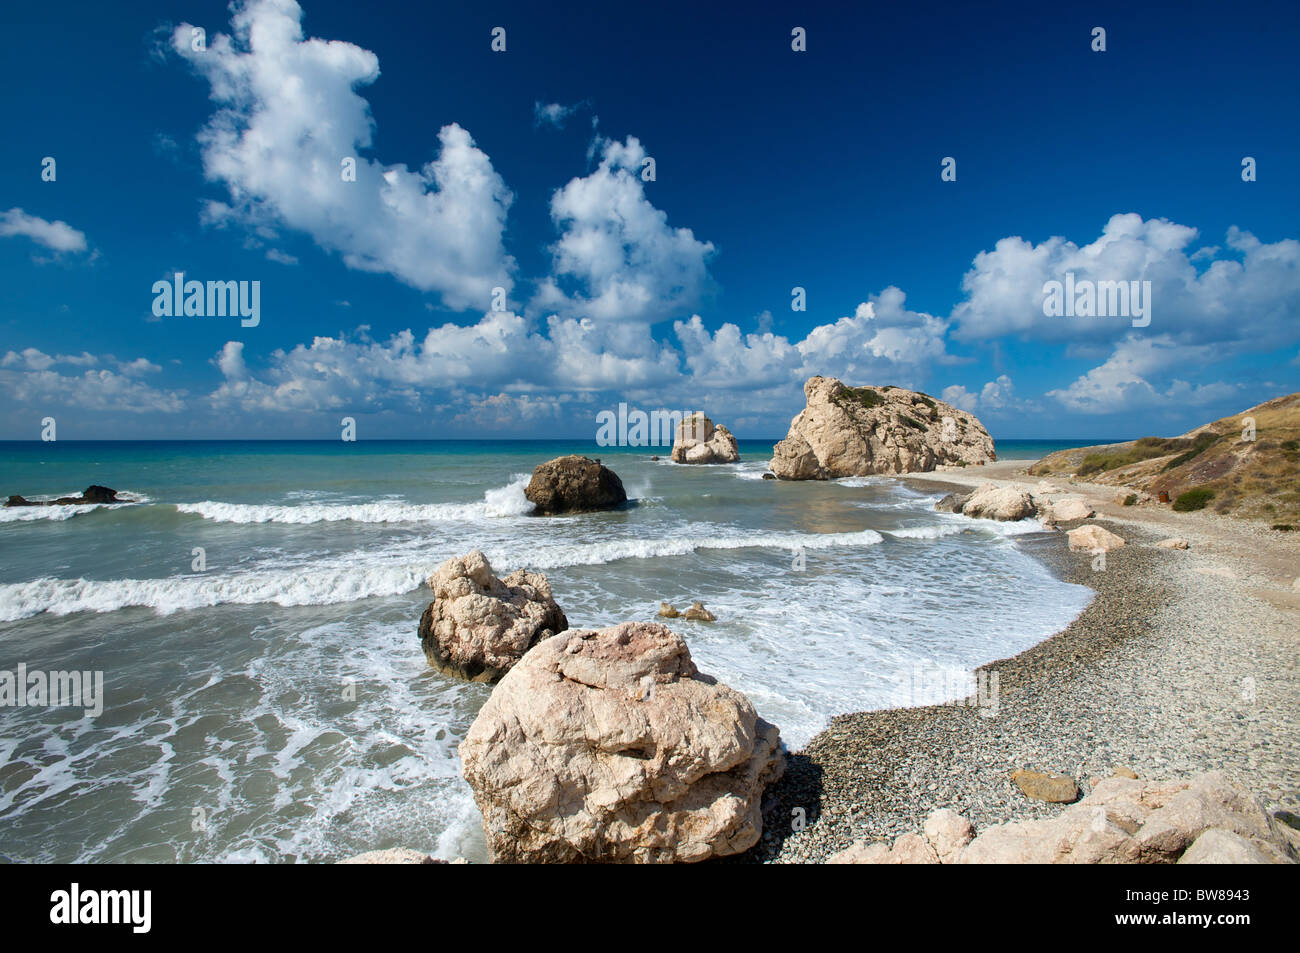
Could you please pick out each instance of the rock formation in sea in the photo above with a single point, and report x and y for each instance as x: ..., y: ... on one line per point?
x: 609, y: 746
x: 574, y: 484
x: 1207, y: 820
x: 858, y: 431
x: 699, y: 441
x: 478, y: 626
x: 91, y: 494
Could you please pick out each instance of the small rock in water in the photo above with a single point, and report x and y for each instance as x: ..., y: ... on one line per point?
x: 697, y: 613
x: 1053, y: 788
x: 667, y: 611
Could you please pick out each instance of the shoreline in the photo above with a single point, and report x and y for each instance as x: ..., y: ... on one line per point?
x: 1185, y: 661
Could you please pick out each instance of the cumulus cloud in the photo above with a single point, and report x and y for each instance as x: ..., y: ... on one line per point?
x: 288, y: 115
x: 1123, y: 381
x: 56, y: 236
x: 996, y: 398
x: 28, y: 378
x: 617, y: 258
x: 1247, y: 296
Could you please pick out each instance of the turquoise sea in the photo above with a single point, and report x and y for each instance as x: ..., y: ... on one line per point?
x: 254, y: 618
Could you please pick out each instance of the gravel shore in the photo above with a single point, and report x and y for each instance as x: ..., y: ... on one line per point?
x: 1185, y: 661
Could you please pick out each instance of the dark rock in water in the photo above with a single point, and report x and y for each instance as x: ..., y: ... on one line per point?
x: 574, y: 484
x: 769, y: 475
x: 952, y: 503
x: 92, y: 494
x: 654, y: 458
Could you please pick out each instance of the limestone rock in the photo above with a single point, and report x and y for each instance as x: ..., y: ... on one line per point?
x: 1069, y: 509
x: 990, y: 501
x: 952, y: 503
x: 1174, y: 542
x: 1208, y: 819
x: 574, y: 484
x: 1093, y: 538
x: 699, y: 441
x: 1222, y: 847
x: 697, y: 613
x: 667, y: 611
x: 1053, y: 788
x: 948, y: 832
x: 858, y: 431
x: 610, y: 746
x: 477, y: 625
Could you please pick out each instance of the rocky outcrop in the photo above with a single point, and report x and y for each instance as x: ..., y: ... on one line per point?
x: 993, y: 502
x: 1208, y: 819
x: 1068, y: 510
x: 478, y: 626
x: 858, y: 431
x: 699, y: 441
x: 610, y: 747
x: 697, y: 613
x: 91, y: 494
x: 1093, y: 538
x: 574, y: 484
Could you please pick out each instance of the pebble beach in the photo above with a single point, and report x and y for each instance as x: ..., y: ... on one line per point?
x: 1184, y: 662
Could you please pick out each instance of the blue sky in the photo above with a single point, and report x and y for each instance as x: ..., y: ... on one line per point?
x: 524, y: 170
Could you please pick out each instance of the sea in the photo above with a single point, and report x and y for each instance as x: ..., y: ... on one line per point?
x: 253, y: 617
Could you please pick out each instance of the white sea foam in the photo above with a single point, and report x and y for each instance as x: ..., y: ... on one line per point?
x: 361, y: 575
x: 504, y: 501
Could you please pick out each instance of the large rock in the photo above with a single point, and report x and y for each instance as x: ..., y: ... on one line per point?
x: 1069, y: 509
x: 992, y: 502
x: 1093, y: 538
x: 699, y: 441
x: 1208, y: 819
x: 858, y: 431
x: 609, y: 746
x: 574, y: 484
x: 478, y: 626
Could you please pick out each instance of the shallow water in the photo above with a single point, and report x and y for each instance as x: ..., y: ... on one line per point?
x: 276, y: 705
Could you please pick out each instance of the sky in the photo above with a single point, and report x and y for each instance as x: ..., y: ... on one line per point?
x: 630, y: 203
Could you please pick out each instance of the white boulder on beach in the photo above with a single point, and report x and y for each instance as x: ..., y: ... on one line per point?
x: 609, y: 746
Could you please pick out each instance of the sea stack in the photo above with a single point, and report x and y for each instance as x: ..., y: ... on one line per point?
x: 574, y: 484
x: 478, y: 626
x: 699, y: 441
x: 860, y: 431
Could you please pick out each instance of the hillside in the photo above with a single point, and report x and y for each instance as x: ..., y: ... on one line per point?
x: 1255, y: 478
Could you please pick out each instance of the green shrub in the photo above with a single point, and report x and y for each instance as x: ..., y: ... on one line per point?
x: 914, y: 424
x: 1131, y: 499
x: 1193, y: 500
x: 1283, y: 527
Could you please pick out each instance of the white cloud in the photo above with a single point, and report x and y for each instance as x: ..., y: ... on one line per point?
x: 28, y: 378
x: 996, y: 398
x: 554, y: 114
x: 1252, y: 303
x: 1123, y: 381
x: 56, y: 236
x: 288, y: 115
x: 630, y: 266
